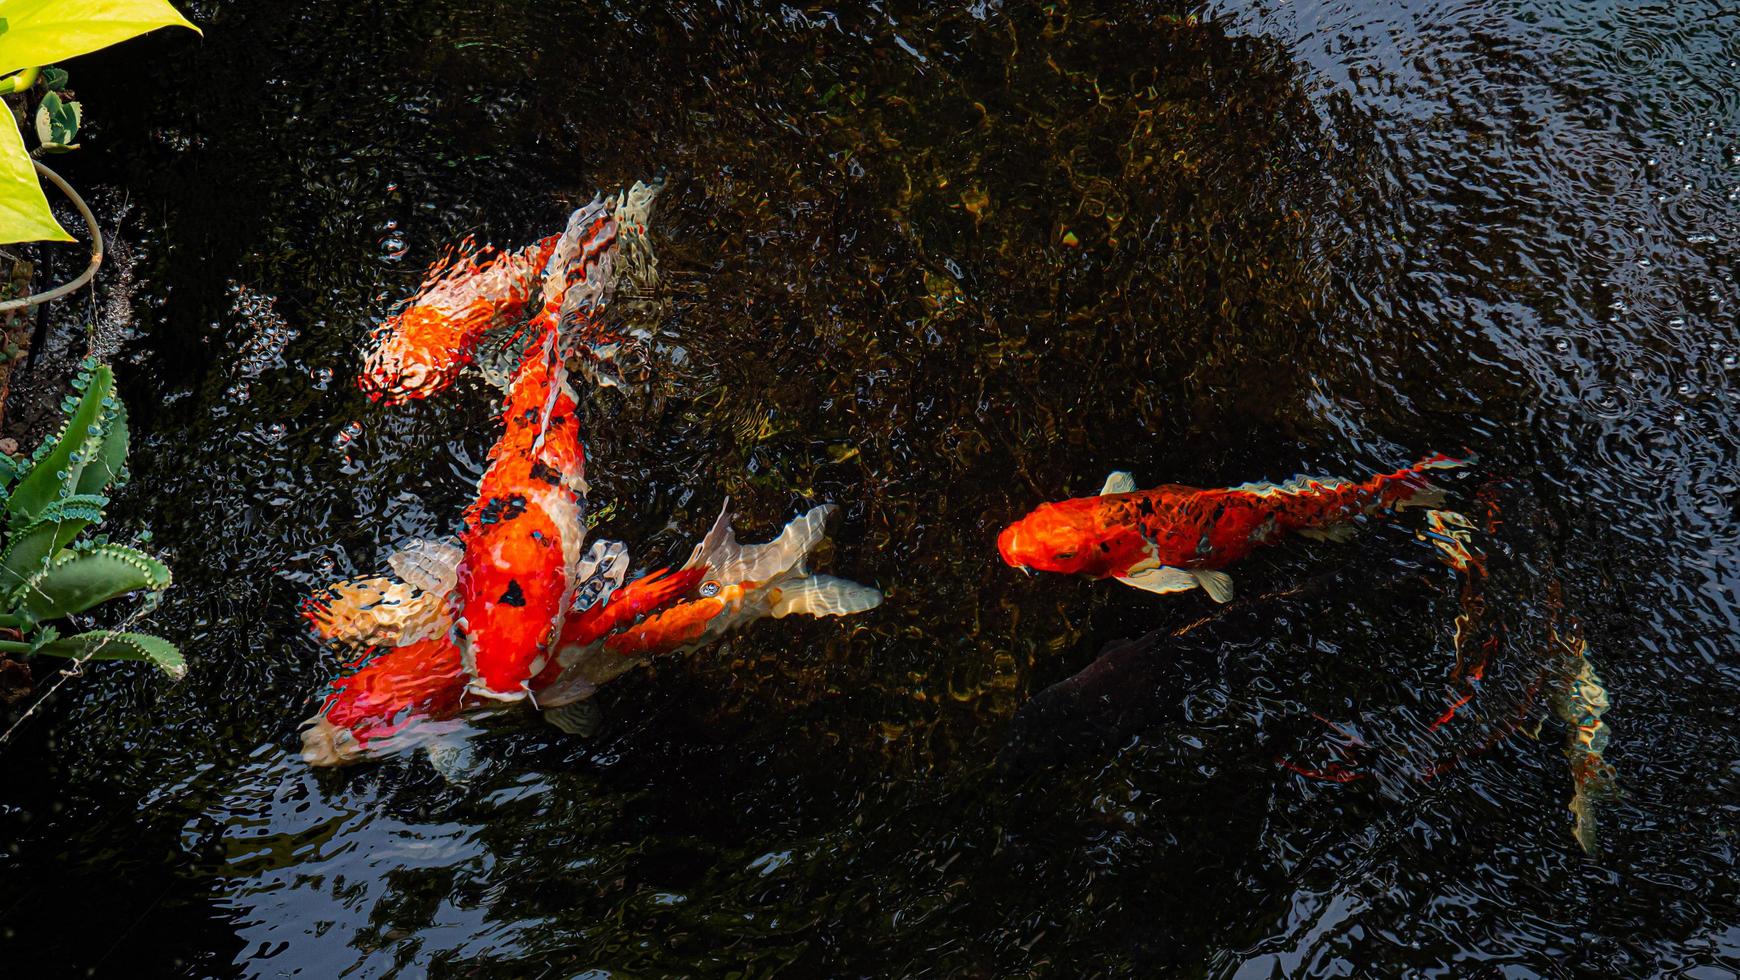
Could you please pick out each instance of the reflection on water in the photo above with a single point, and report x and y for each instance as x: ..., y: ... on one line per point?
x: 935, y: 268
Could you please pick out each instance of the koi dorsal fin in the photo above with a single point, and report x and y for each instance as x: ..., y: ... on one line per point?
x: 719, y: 547
x: 1118, y: 482
x: 1300, y: 485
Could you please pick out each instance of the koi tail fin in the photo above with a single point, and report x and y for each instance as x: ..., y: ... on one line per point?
x: 375, y: 612
x: 728, y: 560
x: 1412, y: 488
x: 824, y: 595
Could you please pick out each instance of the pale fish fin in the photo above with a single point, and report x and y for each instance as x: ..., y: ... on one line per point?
x: 499, y: 354
x: 452, y: 759
x: 1301, y: 484
x: 1580, y: 703
x: 1339, y: 533
x: 1118, y: 482
x: 1425, y: 495
x: 824, y: 595
x: 582, y: 718
x: 719, y: 547
x: 430, y: 565
x: 786, y: 553
x: 633, y: 213
x: 599, y: 574
x: 1218, y: 585
x: 1161, y: 580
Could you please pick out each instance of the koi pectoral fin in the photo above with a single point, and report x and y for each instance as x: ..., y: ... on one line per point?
x: 1161, y: 580
x: 1218, y: 585
x: 1425, y: 495
x: 582, y: 718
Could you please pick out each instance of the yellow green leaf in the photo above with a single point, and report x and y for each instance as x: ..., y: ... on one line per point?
x: 40, y: 32
x: 24, y: 214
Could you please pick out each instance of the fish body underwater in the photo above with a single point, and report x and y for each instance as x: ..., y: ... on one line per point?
x: 385, y: 704
x: 523, y: 533
x: 470, y: 292
x: 1173, y: 538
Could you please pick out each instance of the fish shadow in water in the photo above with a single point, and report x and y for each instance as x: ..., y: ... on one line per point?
x: 1142, y: 684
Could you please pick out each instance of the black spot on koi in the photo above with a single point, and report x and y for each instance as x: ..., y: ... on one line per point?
x: 502, y: 509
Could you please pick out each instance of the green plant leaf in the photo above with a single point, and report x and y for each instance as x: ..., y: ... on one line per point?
x: 54, y: 79
x: 110, y: 645
x: 77, y: 580
x: 57, y: 120
x: 104, y: 467
x: 41, y: 32
x: 55, y: 471
x: 29, y: 551
x: 24, y: 214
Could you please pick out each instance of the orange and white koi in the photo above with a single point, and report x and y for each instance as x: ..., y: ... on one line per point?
x: 1174, y: 538
x: 723, y: 586
x: 468, y: 293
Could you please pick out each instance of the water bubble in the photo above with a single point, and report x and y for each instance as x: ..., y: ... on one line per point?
x: 275, y: 431
x: 322, y: 377
x: 326, y: 563
x: 394, y: 247
x: 1562, y: 345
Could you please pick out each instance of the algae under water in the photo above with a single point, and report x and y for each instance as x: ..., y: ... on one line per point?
x: 935, y: 266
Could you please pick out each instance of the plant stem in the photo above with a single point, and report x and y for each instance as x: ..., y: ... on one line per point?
x: 14, y: 646
x: 20, y: 82
x: 12, y: 621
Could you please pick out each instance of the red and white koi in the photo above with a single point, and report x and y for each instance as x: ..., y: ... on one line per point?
x: 1174, y: 538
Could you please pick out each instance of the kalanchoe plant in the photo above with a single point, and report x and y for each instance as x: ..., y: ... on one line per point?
x: 47, y: 570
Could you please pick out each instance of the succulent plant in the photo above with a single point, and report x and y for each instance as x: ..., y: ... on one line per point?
x: 47, y: 502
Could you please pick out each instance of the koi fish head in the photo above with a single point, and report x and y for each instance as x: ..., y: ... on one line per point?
x: 1066, y: 537
x: 421, y: 352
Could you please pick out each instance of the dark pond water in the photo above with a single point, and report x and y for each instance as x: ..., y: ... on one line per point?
x: 937, y: 267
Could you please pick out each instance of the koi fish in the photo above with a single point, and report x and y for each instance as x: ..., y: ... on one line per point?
x: 1175, y: 538
x: 466, y: 294
x: 611, y: 628
x: 522, y: 535
x: 387, y: 704
x: 723, y: 585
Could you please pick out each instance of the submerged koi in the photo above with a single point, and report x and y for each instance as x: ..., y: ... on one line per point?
x: 378, y: 708
x: 466, y: 294
x: 723, y: 585
x: 1174, y: 538
x: 522, y: 535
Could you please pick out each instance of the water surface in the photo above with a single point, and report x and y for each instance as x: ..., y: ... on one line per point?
x: 936, y: 267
